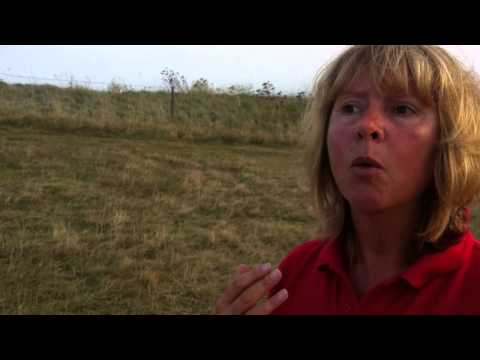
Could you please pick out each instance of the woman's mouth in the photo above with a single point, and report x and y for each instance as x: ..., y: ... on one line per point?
x: 365, y: 166
x: 366, y: 162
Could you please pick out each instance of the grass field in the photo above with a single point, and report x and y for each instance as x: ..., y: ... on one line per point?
x: 96, y: 223
x: 111, y: 216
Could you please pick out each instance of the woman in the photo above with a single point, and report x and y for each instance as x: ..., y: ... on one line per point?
x: 394, y: 164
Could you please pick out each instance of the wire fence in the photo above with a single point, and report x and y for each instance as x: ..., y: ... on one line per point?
x: 267, y: 87
x: 72, y: 82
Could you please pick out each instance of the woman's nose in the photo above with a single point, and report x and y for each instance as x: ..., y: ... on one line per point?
x: 370, y: 127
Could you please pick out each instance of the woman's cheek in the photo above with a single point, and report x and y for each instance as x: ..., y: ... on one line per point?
x: 337, y: 143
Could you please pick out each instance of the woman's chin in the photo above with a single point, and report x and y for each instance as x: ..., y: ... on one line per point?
x: 367, y: 204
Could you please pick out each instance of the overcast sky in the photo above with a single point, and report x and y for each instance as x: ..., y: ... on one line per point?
x: 289, y: 67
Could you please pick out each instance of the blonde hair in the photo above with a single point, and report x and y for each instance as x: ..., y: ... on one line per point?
x: 437, y: 79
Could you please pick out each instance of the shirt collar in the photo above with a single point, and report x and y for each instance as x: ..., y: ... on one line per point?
x: 331, y: 256
x: 418, y: 274
x: 439, y: 263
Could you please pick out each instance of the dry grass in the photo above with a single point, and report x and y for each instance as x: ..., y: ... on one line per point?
x: 95, y: 225
x: 107, y: 213
x: 200, y: 116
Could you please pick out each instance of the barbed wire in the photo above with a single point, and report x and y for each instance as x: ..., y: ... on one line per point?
x: 87, y: 82
x: 72, y: 82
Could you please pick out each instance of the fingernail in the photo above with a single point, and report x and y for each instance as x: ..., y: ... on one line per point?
x: 275, y: 275
x: 265, y: 267
x: 281, y: 296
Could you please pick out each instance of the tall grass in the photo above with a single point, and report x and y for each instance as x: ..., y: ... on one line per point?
x: 199, y: 115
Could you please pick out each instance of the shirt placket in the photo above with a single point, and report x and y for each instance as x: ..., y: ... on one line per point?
x: 348, y: 303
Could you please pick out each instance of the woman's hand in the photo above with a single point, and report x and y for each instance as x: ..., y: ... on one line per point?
x: 247, y: 287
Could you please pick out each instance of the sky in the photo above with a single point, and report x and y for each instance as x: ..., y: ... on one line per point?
x: 290, y: 68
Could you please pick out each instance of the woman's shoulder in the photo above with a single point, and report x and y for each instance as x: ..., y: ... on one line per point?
x: 475, y: 251
x: 470, y: 258
x: 472, y: 243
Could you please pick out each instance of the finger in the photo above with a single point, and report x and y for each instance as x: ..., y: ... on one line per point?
x: 241, y: 281
x: 271, y: 304
x: 223, y: 303
x: 220, y: 305
x: 242, y: 268
x: 250, y: 297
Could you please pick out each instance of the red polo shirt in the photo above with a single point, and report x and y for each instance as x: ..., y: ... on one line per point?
x: 446, y: 282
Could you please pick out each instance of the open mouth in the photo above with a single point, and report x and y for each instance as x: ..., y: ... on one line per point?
x: 366, y: 162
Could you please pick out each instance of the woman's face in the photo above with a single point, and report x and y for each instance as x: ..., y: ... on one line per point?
x: 381, y: 149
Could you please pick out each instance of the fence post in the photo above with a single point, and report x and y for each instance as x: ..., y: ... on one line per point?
x: 172, y: 103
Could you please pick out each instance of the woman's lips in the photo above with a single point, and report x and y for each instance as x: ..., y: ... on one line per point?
x: 365, y: 166
x: 366, y: 162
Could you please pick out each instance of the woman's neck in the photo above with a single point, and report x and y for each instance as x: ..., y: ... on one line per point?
x: 382, y: 243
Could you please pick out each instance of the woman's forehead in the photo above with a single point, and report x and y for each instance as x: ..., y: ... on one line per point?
x: 363, y: 83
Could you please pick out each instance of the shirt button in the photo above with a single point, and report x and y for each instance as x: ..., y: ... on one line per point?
x: 348, y: 308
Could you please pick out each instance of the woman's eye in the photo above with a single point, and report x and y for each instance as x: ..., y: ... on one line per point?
x: 350, y: 109
x: 403, y: 110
